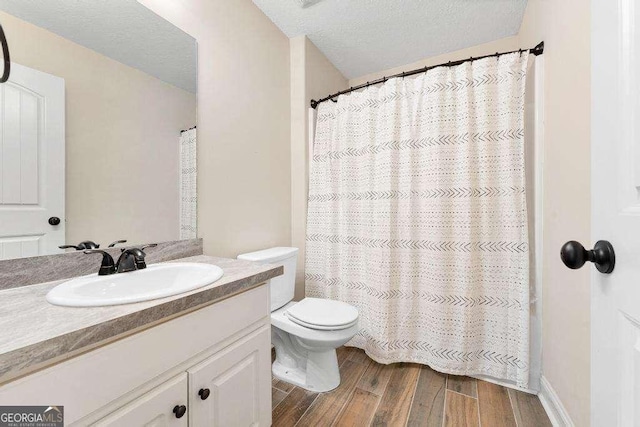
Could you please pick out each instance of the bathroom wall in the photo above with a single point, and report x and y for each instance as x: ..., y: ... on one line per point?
x: 244, y: 133
x: 312, y: 77
x: 156, y: 112
x: 565, y: 28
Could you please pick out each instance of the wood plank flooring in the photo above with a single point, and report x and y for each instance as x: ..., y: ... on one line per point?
x: 403, y: 394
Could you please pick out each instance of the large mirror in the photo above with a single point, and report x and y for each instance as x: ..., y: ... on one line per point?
x: 97, y: 126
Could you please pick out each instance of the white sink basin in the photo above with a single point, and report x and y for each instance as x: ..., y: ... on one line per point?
x: 155, y: 281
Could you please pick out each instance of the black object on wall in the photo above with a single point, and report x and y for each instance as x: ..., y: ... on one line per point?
x: 7, y: 58
x: 538, y: 50
x: 574, y: 256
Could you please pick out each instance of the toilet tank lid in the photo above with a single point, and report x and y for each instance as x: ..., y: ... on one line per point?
x: 270, y: 255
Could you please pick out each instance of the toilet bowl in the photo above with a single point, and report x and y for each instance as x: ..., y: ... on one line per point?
x: 305, y: 351
x: 305, y: 334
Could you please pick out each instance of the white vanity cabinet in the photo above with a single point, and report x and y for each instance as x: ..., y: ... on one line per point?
x: 141, y: 379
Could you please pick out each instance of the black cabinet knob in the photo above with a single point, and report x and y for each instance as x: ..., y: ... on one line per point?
x: 180, y: 410
x: 574, y: 255
x: 204, y: 393
x: 54, y: 220
x: 7, y: 59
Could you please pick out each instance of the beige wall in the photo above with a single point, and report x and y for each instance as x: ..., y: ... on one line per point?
x: 565, y: 28
x: 312, y: 77
x: 122, y: 127
x: 244, y: 177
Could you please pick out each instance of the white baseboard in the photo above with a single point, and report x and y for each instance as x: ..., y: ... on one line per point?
x: 504, y: 383
x: 553, y: 406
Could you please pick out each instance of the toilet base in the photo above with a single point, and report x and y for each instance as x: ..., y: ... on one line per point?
x: 312, y: 368
x: 321, y: 373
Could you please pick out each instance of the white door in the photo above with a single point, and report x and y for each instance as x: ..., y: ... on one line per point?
x: 32, y: 155
x: 615, y: 216
x: 233, y: 387
x: 164, y: 406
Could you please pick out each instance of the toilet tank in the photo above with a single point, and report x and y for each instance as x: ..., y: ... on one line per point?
x: 282, y: 287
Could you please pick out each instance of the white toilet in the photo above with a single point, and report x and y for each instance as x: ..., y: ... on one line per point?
x: 305, y: 334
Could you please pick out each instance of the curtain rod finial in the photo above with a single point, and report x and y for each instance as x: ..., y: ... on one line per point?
x: 538, y: 50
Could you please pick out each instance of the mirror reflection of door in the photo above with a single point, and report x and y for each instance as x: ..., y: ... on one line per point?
x: 120, y: 166
x: 32, y: 158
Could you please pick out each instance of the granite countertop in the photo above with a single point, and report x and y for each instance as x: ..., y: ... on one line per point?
x: 35, y: 333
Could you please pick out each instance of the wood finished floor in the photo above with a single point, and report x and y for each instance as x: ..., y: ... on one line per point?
x: 403, y: 394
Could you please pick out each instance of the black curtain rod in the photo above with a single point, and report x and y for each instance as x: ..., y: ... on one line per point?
x: 185, y: 130
x: 538, y: 50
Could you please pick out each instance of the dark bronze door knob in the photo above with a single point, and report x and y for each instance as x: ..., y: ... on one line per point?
x: 54, y: 220
x: 204, y: 393
x: 574, y: 256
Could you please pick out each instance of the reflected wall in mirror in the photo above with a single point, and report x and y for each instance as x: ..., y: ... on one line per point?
x: 91, y: 146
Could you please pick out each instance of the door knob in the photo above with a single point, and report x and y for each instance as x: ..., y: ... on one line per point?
x: 54, y: 220
x: 574, y: 255
x: 180, y: 410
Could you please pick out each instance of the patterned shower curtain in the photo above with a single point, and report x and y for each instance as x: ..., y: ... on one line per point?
x: 417, y: 216
x: 188, y: 188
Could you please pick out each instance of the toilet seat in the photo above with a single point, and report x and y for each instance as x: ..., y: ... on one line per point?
x: 322, y: 328
x: 323, y: 314
x: 281, y: 320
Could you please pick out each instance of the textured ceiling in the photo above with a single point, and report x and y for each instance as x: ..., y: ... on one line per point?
x: 365, y: 36
x: 123, y: 30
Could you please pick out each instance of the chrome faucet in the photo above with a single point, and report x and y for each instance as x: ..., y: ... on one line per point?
x: 130, y: 259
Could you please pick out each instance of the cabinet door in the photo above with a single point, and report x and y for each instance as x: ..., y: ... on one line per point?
x: 238, y: 381
x: 154, y: 408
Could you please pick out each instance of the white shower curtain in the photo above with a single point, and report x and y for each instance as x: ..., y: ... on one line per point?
x: 188, y: 186
x: 417, y: 216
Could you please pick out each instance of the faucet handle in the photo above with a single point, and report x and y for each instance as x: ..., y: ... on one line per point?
x: 117, y: 242
x: 87, y: 244
x: 108, y: 266
x: 77, y: 248
x: 140, y: 254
